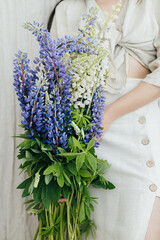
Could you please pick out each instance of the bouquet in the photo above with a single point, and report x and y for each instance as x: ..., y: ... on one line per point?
x: 62, y: 102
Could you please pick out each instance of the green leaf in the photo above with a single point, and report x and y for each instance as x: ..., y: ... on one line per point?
x: 39, y: 142
x: 37, y: 191
x: 87, y: 210
x: 36, y: 151
x: 27, y: 144
x: 61, y: 150
x: 91, y: 143
x: 65, y: 192
x: 48, y: 178
x: 26, y: 190
x: 54, y: 168
x: 65, y: 175
x: 47, y: 147
x: 75, y: 141
x: 31, y: 187
x: 28, y: 154
x: 79, y: 161
x: 82, y: 212
x: 54, y: 192
x: 25, y: 183
x: 101, y: 182
x: 69, y: 154
x: 30, y: 206
x: 29, y: 201
x: 92, y: 161
x: 103, y: 165
x: 60, y: 180
x: 72, y: 168
x: 84, y: 173
x: 91, y: 207
x: 33, y: 211
x: 45, y: 197
x: 47, y: 231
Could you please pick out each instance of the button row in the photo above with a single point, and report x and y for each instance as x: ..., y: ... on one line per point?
x: 149, y: 163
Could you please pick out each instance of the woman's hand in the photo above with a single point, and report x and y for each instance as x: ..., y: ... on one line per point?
x: 141, y: 95
x: 62, y: 199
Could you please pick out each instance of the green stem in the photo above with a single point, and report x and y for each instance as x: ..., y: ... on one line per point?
x: 78, y: 232
x: 51, y: 221
x: 108, y: 20
x: 77, y: 214
x: 61, y: 221
x: 40, y: 229
x: 46, y: 214
x: 91, y: 99
x: 69, y: 200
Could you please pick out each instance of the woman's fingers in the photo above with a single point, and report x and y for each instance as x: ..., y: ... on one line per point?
x: 62, y: 200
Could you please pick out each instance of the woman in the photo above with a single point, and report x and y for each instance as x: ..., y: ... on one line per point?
x: 131, y: 134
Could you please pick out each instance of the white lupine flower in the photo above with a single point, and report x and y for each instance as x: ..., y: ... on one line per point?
x: 76, y: 128
x: 82, y: 132
x: 36, y: 180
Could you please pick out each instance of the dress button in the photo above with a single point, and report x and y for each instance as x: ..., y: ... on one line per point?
x: 153, y: 187
x: 145, y: 141
x: 150, y: 163
x: 142, y: 120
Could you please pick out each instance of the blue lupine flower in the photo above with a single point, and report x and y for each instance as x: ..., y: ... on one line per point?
x: 97, y: 114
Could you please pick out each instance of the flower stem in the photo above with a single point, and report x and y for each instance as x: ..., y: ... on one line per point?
x: 51, y: 221
x: 61, y: 220
x: 40, y: 228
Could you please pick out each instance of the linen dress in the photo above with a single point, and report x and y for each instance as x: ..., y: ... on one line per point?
x: 132, y: 143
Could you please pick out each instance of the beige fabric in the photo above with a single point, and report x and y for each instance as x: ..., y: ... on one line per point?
x: 15, y: 224
x: 136, y: 33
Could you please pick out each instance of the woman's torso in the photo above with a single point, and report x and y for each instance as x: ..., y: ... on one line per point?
x: 135, y: 68
x: 132, y: 40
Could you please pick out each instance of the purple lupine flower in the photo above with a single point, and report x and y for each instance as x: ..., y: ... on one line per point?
x: 97, y: 114
x: 49, y: 121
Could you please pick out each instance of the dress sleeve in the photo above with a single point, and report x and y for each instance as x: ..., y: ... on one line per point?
x: 154, y: 66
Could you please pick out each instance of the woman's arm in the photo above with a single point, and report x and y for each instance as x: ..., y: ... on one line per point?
x: 141, y: 95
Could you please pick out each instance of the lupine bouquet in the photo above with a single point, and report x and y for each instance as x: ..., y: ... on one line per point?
x: 62, y: 102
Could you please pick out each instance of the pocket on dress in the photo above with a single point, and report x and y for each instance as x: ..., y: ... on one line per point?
x: 159, y: 102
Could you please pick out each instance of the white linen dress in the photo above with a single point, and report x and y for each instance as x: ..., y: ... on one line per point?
x: 132, y: 143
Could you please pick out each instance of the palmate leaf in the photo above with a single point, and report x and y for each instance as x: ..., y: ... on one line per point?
x: 101, y: 182
x: 26, y: 144
x: 55, y: 169
x: 26, y: 191
x: 103, y: 165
